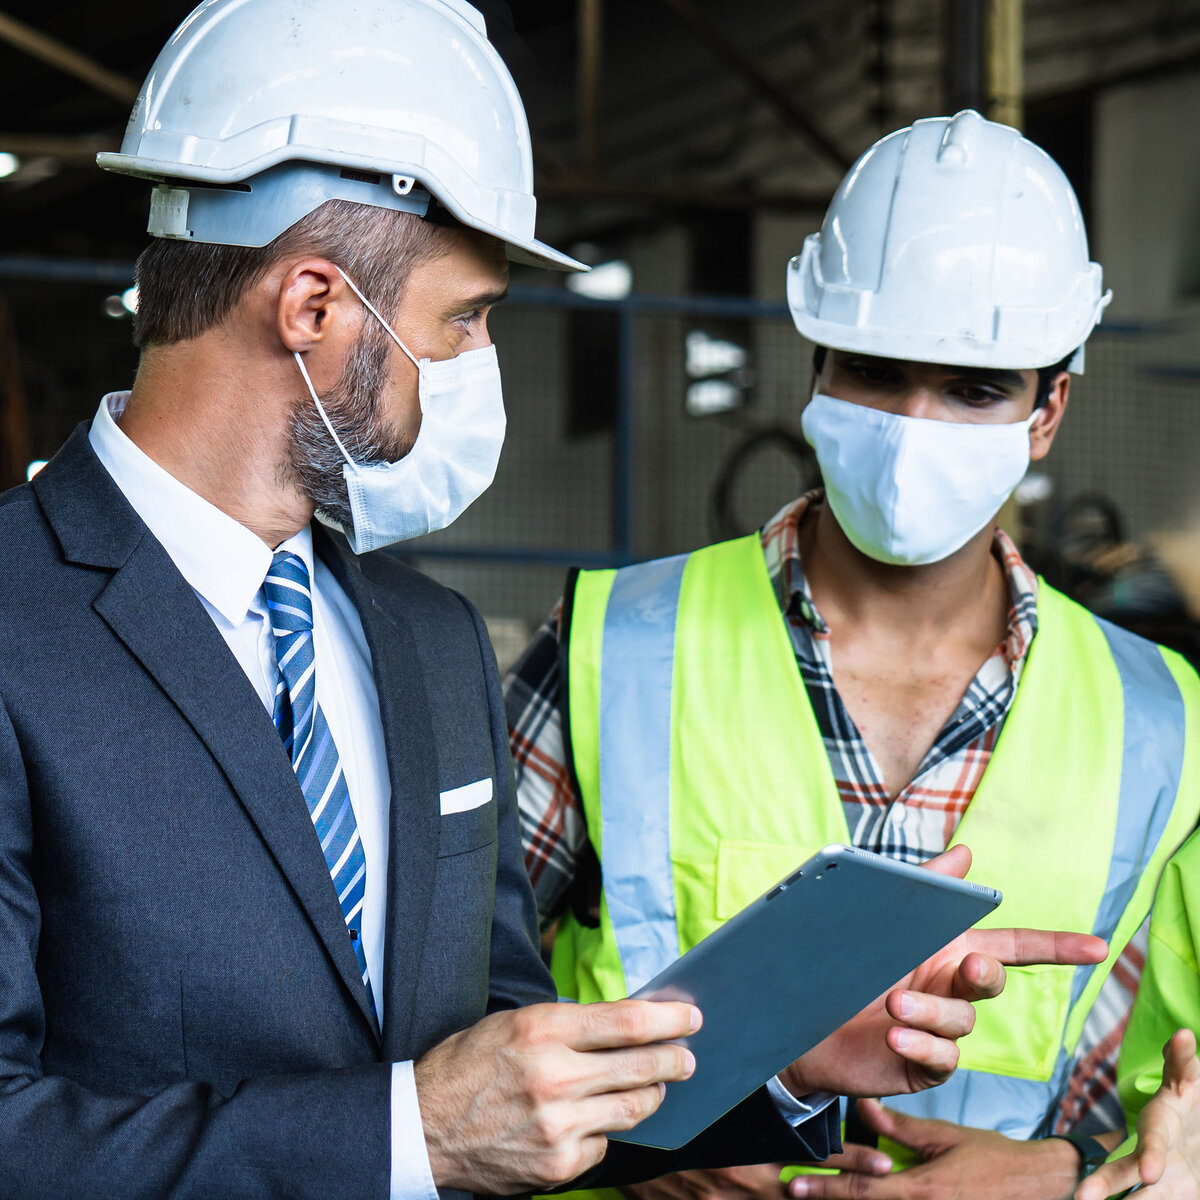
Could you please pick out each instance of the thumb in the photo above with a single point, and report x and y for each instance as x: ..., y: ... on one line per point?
x: 917, y: 1133
x: 1179, y: 1058
x: 956, y: 861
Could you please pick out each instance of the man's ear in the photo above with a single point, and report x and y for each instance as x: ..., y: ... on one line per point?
x: 1050, y: 415
x: 315, y: 307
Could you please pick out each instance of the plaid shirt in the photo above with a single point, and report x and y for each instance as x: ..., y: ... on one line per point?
x: 914, y: 826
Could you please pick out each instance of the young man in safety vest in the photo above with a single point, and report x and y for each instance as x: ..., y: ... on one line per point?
x: 878, y: 666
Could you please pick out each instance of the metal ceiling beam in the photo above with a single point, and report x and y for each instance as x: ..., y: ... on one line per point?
x: 50, y: 50
x: 739, y: 65
x: 590, y: 39
x: 66, y: 149
x: 1005, y: 58
x: 594, y: 190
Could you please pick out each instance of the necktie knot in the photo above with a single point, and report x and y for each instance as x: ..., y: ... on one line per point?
x: 289, y: 598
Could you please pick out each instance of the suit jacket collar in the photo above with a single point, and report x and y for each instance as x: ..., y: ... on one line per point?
x: 415, y: 817
x: 94, y: 523
x: 152, y: 609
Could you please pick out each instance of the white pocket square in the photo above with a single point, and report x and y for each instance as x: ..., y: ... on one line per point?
x: 467, y: 797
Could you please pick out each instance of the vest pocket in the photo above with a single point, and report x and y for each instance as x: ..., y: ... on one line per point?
x: 1021, y: 1033
x: 747, y: 869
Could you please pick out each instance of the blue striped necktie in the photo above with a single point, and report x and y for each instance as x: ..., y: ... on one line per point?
x: 307, y: 738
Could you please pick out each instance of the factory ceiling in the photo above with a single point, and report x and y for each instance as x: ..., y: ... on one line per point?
x: 691, y: 104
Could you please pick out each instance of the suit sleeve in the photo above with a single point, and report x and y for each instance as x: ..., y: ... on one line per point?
x: 310, y: 1135
x: 753, y: 1132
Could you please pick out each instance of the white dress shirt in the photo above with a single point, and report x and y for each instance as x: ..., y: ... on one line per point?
x: 225, y: 564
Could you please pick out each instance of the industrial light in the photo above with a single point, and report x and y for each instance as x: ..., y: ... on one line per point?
x: 711, y: 396
x: 10, y: 164
x: 129, y: 298
x: 608, y: 281
x: 708, y: 356
x: 34, y: 467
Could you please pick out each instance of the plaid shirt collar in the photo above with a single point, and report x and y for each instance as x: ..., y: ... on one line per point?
x: 781, y: 546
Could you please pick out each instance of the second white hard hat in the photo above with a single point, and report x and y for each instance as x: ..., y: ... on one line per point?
x: 256, y: 112
x: 954, y: 241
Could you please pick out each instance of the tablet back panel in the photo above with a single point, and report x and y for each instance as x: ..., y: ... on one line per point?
x: 791, y: 967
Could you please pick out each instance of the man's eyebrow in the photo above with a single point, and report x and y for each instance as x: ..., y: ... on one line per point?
x: 481, y: 300
x: 1001, y: 376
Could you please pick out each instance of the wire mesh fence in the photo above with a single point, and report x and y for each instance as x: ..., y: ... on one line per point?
x: 657, y: 479
x: 606, y: 459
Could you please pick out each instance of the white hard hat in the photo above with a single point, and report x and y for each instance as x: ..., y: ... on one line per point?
x: 954, y: 241
x: 256, y: 112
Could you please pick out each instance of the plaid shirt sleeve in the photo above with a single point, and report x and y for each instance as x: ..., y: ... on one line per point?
x: 1090, y: 1104
x: 553, y: 831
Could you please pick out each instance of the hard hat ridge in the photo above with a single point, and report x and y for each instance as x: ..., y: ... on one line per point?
x: 955, y: 241
x: 251, y: 92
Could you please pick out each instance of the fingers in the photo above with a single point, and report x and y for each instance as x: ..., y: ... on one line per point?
x: 1153, y: 1146
x: 914, y: 1132
x: 1027, y: 947
x: 945, y: 1017
x: 1110, y: 1179
x: 618, y: 1070
x: 625, y: 1023
x: 956, y: 861
x: 860, y: 1160
x: 1180, y: 1064
x: 935, y: 1057
x: 618, y: 1110
x: 852, y: 1186
x: 730, y: 1183
x: 979, y: 977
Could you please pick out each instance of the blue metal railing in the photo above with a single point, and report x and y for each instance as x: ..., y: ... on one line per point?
x: 628, y: 309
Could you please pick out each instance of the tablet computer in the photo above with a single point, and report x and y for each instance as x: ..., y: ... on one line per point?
x: 791, y: 967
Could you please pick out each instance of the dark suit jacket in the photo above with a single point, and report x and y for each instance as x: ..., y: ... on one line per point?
x: 180, y: 1009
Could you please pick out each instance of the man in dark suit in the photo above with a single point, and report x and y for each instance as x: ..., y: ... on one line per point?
x: 264, y: 927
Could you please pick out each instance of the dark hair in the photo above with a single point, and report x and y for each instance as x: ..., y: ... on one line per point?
x: 1045, y: 375
x: 186, y: 288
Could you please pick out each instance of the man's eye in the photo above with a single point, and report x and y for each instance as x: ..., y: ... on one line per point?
x: 871, y: 374
x: 980, y: 397
x: 468, y: 320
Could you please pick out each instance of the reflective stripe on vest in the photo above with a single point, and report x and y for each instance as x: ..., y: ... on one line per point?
x: 691, y: 655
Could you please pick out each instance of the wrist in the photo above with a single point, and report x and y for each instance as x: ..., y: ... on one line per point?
x: 1088, y: 1154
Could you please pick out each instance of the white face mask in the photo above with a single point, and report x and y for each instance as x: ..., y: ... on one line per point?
x: 451, y: 463
x: 908, y: 490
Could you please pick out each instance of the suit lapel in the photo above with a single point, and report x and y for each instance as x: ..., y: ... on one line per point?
x: 151, y: 608
x: 415, y: 818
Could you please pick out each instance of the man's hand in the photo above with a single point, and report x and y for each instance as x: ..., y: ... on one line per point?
x: 728, y: 1183
x: 906, y: 1040
x: 961, y: 1164
x: 749, y: 1183
x: 1166, y: 1159
x: 522, y: 1100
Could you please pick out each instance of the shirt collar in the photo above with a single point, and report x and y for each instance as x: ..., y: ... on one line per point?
x: 223, y: 561
x: 781, y: 543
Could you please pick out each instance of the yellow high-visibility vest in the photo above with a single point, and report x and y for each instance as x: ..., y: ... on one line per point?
x: 704, y: 780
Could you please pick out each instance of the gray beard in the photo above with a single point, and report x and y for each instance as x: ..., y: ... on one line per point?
x: 355, y: 409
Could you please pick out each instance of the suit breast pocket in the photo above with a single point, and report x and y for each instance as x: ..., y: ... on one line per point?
x: 468, y: 817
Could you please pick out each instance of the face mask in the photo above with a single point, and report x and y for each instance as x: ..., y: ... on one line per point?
x: 907, y: 490
x: 452, y: 461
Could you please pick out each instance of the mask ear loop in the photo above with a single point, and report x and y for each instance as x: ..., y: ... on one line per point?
x: 375, y: 313
x: 312, y: 391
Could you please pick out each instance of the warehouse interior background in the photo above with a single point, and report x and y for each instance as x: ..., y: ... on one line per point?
x: 685, y: 148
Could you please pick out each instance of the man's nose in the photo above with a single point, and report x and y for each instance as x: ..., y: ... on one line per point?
x: 919, y: 402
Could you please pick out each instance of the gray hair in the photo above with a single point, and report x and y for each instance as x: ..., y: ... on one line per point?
x: 186, y: 288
